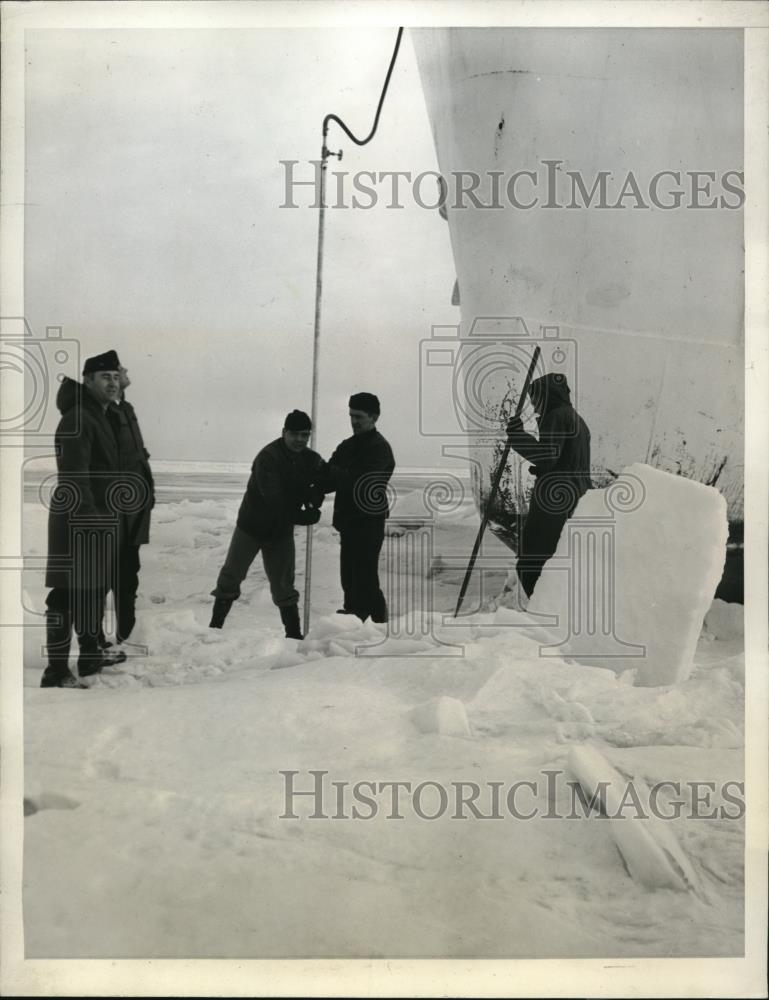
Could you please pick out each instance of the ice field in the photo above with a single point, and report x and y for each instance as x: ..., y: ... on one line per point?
x: 154, y: 799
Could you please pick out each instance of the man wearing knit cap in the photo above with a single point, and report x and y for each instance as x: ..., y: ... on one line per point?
x: 276, y: 499
x: 358, y: 472
x: 83, y: 522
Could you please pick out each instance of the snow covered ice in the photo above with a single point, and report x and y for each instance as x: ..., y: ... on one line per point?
x: 649, y: 848
x: 154, y: 799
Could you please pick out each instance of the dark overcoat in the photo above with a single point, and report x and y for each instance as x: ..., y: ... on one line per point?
x: 139, y: 485
x: 84, y: 514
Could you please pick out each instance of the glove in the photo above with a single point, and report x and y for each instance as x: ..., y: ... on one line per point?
x: 313, y: 496
x: 308, y: 515
x: 514, y: 426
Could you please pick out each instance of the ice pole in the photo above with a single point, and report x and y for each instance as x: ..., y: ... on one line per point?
x: 495, y: 486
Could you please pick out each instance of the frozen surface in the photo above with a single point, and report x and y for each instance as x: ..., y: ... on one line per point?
x: 648, y: 847
x: 154, y: 807
x: 635, y: 572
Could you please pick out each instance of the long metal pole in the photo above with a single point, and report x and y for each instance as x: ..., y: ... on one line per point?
x: 495, y: 487
x: 315, y: 359
x: 324, y: 155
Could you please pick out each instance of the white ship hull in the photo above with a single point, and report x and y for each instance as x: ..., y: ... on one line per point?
x: 648, y: 302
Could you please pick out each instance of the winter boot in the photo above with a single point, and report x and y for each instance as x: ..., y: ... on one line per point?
x: 88, y: 666
x: 379, y: 609
x: 222, y: 607
x: 105, y: 655
x: 54, y: 678
x: 70, y: 681
x: 91, y: 658
x: 290, y: 618
x: 113, y: 657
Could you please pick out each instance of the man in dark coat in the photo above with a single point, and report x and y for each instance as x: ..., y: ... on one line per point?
x: 137, y: 502
x: 276, y: 498
x: 358, y: 472
x: 561, y: 459
x: 83, y: 523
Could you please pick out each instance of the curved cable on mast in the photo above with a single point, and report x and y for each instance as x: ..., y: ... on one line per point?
x: 370, y: 136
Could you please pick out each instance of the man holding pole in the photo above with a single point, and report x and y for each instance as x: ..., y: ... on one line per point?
x: 276, y: 499
x: 358, y: 472
x: 561, y: 464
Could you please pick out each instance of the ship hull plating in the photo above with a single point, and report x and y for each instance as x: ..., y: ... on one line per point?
x: 638, y: 303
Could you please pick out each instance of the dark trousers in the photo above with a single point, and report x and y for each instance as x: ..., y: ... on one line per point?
x: 67, y: 609
x: 361, y: 542
x: 125, y: 584
x: 278, y: 556
x: 539, y: 540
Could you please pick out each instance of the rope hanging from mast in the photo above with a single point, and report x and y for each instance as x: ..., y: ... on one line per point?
x: 325, y: 154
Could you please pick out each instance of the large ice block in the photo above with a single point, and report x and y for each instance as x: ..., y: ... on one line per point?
x: 634, y: 574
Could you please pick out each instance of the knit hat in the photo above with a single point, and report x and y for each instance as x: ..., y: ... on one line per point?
x: 297, y: 420
x: 107, y: 362
x: 365, y: 401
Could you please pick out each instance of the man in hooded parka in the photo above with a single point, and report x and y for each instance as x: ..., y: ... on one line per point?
x: 83, y: 521
x: 561, y: 465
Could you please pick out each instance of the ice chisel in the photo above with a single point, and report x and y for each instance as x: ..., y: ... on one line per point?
x: 495, y: 487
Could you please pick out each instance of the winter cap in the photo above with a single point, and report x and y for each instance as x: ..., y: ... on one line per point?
x: 297, y: 420
x: 107, y: 362
x: 365, y: 401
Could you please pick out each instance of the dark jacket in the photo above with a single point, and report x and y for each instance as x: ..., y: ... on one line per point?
x: 134, y: 462
x: 278, y: 486
x: 86, y: 492
x: 561, y: 456
x: 358, y: 471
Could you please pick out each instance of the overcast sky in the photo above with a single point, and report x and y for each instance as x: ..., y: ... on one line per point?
x: 153, y: 226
